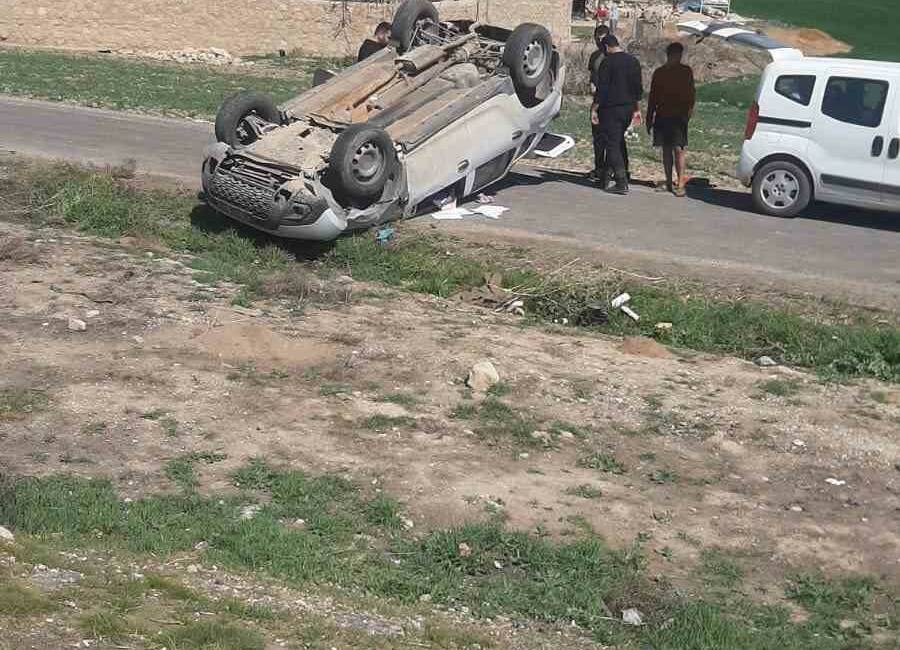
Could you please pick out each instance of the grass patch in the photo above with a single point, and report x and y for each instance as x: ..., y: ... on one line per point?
x: 352, y: 541
x: 662, y: 476
x: 106, y: 625
x: 98, y: 204
x: 20, y: 601
x: 382, y: 423
x: 601, y: 461
x: 780, y: 387
x: 868, y: 27
x: 400, y: 399
x: 125, y: 84
x: 720, y: 569
x: 18, y: 403
x: 497, y: 422
x: 585, y: 491
x: 180, y: 470
x: 212, y: 635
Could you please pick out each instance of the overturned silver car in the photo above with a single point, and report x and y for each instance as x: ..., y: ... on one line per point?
x: 448, y: 106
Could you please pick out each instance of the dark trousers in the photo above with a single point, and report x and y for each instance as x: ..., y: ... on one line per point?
x: 614, y: 122
x: 600, y: 152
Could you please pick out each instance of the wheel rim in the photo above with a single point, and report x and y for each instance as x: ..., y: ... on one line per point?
x: 780, y: 190
x: 534, y: 58
x: 367, y: 162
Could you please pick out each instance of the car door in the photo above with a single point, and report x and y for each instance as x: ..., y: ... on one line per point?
x: 850, y: 134
x: 891, y: 185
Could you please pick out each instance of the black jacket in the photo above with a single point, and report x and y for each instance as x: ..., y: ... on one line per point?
x: 368, y: 48
x: 618, y: 81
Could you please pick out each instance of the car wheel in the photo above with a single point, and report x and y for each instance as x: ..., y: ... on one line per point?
x: 240, y: 115
x: 528, y: 54
x: 781, y: 189
x: 362, y: 160
x: 411, y: 17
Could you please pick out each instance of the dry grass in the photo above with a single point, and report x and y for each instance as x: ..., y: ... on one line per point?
x: 17, y: 250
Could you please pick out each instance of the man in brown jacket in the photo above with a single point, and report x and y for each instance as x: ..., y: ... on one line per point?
x: 669, y: 110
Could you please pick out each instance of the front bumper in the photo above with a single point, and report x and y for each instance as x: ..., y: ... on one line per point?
x: 265, y: 197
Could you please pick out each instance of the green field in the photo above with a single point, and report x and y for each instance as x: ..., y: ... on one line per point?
x: 867, y: 25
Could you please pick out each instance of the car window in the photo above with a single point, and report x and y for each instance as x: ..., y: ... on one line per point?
x: 855, y: 101
x: 797, y: 88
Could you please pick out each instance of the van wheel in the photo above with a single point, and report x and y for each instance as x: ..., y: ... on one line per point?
x: 781, y: 189
x: 362, y: 160
x: 528, y: 54
x: 412, y: 17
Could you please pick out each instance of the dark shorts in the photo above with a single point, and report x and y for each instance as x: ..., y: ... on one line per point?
x: 670, y: 132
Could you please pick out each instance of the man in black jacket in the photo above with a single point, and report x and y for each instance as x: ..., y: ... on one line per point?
x: 600, y: 32
x: 619, y: 88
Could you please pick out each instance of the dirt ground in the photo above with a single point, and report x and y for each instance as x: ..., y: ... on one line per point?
x: 712, y: 454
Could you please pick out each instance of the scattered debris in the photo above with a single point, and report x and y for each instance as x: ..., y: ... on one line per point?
x: 385, y: 235
x: 250, y: 511
x: 664, y: 327
x: 49, y: 579
x: 592, y: 315
x: 93, y: 313
x: 620, y: 300
x: 835, y: 481
x: 632, y: 617
x: 451, y: 213
x: 482, y: 376
x: 464, y: 549
x: 766, y: 362
x: 490, y: 211
x: 485, y: 198
x: 6, y: 535
x: 77, y: 325
x: 633, y: 315
x: 798, y: 443
x: 796, y: 509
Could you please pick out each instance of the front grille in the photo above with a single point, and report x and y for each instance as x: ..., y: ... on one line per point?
x: 247, y: 185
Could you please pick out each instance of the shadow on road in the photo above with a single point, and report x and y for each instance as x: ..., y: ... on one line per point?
x: 838, y: 214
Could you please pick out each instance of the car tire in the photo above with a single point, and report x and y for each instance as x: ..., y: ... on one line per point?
x: 362, y: 161
x: 408, y: 18
x: 528, y: 54
x: 230, y: 120
x: 782, y: 189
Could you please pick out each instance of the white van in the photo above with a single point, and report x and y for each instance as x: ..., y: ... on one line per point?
x: 820, y: 128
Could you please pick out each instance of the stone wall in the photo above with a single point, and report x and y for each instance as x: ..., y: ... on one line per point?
x: 326, y: 27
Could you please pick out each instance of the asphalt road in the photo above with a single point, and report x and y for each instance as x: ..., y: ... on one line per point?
x: 830, y: 251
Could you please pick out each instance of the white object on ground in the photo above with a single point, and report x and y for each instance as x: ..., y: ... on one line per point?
x: 835, y: 482
x: 6, y: 535
x: 482, y: 376
x: 620, y: 300
x: 631, y: 314
x: 490, y: 211
x: 632, y: 617
x: 451, y: 214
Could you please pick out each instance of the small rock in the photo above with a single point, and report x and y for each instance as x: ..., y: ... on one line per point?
x: 524, y: 455
x: 425, y: 598
x: 137, y: 339
x: 77, y: 325
x: 664, y: 327
x: 835, y: 481
x: 464, y: 550
x: 482, y: 376
x: 407, y: 523
x: 798, y: 443
x: 543, y: 436
x: 201, y: 546
x: 497, y: 564
x: 6, y: 535
x: 848, y: 624
x: 766, y: 362
x: 250, y: 511
x: 796, y: 509
x: 193, y: 568
x: 566, y: 435
x: 632, y: 617
x: 93, y: 313
x: 49, y: 579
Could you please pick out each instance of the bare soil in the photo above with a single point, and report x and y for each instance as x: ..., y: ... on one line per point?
x: 715, y: 453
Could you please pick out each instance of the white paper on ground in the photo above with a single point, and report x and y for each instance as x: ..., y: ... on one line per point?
x: 490, y: 211
x: 450, y: 214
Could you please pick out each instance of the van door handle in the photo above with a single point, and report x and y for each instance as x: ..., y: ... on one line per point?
x: 877, y: 146
x: 894, y: 149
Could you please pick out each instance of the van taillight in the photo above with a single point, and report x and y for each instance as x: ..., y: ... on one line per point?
x: 752, y: 121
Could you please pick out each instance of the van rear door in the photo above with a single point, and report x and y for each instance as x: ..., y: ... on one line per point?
x: 891, y: 185
x: 850, y: 134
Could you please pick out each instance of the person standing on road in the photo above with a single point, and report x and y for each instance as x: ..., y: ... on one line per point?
x: 600, y: 32
x: 375, y: 44
x: 669, y: 110
x: 619, y: 89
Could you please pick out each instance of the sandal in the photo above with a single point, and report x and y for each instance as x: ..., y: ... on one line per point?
x: 680, y: 192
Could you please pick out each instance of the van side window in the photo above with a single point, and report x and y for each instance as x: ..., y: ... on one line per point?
x: 855, y: 101
x: 797, y: 88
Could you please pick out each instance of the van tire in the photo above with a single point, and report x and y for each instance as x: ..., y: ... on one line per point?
x: 528, y: 54
x: 408, y: 17
x: 230, y: 127
x: 781, y: 188
x: 362, y: 162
